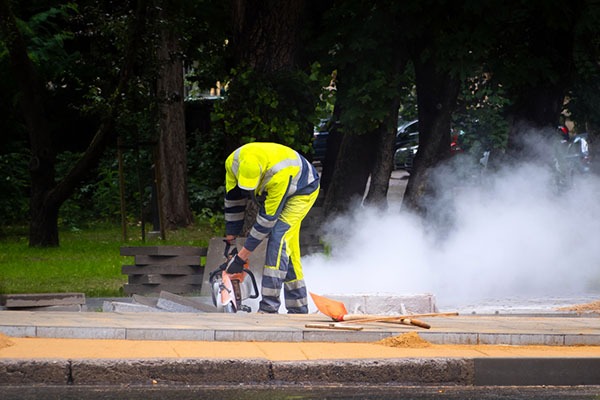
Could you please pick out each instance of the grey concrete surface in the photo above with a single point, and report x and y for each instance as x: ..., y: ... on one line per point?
x: 558, y: 329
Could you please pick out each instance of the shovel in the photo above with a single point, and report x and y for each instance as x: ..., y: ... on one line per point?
x: 337, y: 311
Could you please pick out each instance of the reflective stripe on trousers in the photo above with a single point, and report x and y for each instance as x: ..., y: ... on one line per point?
x: 282, y: 264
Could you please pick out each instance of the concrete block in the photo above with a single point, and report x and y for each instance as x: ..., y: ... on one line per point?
x: 207, y: 335
x: 163, y: 251
x: 18, y: 331
x: 80, y: 332
x: 156, y: 289
x: 144, y: 300
x: 41, y: 299
x: 327, y: 335
x: 165, y: 279
x: 172, y: 302
x: 115, y: 306
x: 167, y: 261
x: 224, y: 336
x: 521, y: 339
x: 386, y: 304
x: 135, y: 270
x: 449, y: 337
x: 72, y: 308
x: 258, y: 336
x: 582, y: 340
x: 524, y: 339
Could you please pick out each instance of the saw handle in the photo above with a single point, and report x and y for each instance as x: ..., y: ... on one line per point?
x: 226, y: 253
x: 254, y: 285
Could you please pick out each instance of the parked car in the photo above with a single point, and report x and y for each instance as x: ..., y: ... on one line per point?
x: 407, y: 140
x: 407, y: 143
x: 320, y: 135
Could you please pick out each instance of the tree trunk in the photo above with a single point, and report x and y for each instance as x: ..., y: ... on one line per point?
x: 351, y: 172
x: 266, y: 38
x: 539, y: 104
x: 43, y: 229
x: 384, y: 159
x: 46, y: 195
x: 436, y: 98
x: 266, y: 33
x: 172, y: 152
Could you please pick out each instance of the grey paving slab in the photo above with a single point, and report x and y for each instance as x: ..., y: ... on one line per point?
x: 510, y: 330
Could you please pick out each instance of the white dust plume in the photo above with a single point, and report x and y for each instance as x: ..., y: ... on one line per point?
x: 511, y: 235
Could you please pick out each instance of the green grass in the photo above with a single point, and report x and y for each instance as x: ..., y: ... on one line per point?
x: 87, y: 261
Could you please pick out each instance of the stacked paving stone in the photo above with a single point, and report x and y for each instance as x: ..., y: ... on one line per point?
x: 176, y: 269
x: 43, y: 302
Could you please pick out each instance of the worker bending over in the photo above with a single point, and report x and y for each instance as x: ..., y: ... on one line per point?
x: 285, y: 186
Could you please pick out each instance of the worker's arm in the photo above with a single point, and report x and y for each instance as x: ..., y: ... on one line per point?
x: 266, y: 218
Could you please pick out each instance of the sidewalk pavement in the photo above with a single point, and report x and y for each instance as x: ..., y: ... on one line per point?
x: 209, y: 348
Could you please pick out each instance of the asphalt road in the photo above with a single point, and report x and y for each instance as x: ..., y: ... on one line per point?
x: 299, y: 392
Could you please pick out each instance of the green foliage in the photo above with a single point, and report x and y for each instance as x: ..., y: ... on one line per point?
x: 14, y: 186
x: 206, y: 172
x: 277, y: 107
x: 46, y: 36
x: 480, y: 117
x: 362, y: 49
x: 584, y: 104
x: 95, y: 200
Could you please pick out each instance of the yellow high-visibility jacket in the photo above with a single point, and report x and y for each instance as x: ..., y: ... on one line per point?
x: 283, y: 173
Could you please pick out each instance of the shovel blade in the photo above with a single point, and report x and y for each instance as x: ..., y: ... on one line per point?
x: 332, y: 308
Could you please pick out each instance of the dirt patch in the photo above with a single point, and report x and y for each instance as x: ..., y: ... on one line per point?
x: 5, y: 341
x: 409, y: 340
x: 593, y: 307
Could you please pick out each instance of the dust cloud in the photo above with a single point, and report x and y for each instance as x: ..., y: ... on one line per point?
x: 501, y: 235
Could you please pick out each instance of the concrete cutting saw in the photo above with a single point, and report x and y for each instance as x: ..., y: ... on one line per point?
x: 230, y: 290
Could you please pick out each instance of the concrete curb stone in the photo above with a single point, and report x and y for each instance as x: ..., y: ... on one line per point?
x: 213, y: 372
x: 28, y: 372
x: 410, y: 371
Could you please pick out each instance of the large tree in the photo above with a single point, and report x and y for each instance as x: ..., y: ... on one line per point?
x: 48, y: 194
x: 269, y: 96
x: 174, y: 205
x: 368, y: 67
x: 534, y: 58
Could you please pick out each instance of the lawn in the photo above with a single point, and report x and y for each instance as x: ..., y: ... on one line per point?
x: 87, y: 261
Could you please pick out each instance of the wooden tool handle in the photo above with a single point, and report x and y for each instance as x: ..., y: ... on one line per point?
x: 374, y: 318
x: 415, y: 322
x: 334, y: 326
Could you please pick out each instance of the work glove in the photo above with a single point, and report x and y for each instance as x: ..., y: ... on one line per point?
x: 235, y: 265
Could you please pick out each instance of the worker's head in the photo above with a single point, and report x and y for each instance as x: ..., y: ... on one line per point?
x: 249, y: 173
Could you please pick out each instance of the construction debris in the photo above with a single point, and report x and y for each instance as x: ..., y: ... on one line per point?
x: 165, y: 302
x: 44, y: 302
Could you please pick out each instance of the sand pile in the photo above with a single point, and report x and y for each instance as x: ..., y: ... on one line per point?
x: 593, y: 307
x: 5, y: 341
x: 410, y: 340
